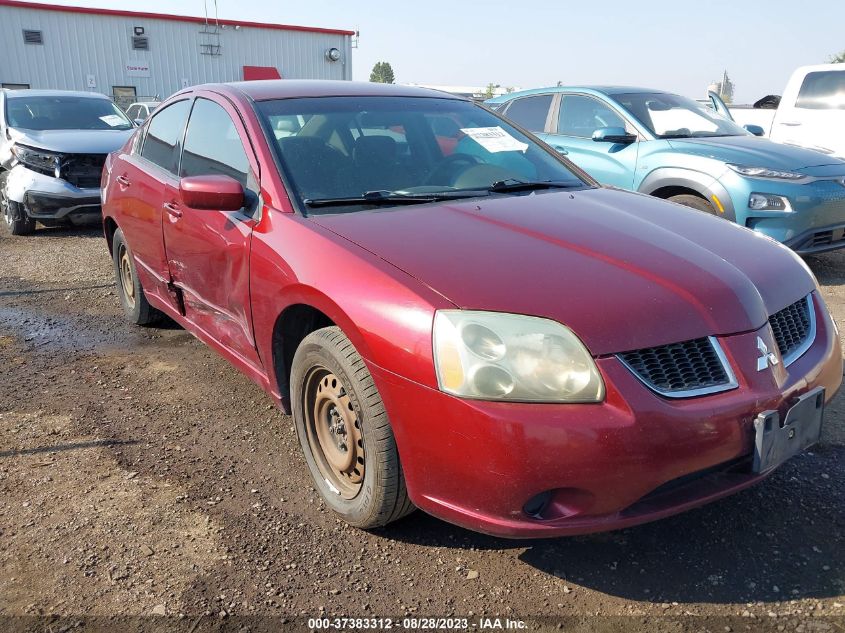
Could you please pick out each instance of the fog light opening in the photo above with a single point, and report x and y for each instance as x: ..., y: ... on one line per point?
x: 536, y: 504
x: 559, y: 503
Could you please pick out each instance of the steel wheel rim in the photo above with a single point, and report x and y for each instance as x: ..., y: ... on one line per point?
x: 126, y: 281
x: 333, y: 430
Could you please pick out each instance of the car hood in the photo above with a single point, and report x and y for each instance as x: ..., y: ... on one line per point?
x: 72, y: 141
x: 623, y: 270
x: 755, y: 152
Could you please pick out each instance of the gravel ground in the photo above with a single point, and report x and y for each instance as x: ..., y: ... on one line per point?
x: 142, y: 475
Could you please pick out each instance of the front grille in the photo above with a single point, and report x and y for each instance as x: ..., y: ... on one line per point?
x: 792, y: 328
x: 83, y: 170
x: 681, y: 369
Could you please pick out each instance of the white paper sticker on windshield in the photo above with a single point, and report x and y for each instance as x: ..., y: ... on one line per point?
x: 494, y: 139
x: 113, y: 120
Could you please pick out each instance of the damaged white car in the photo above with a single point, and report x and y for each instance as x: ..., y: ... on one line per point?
x: 53, y: 144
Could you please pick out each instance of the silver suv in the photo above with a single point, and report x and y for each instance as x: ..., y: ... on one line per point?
x: 53, y: 144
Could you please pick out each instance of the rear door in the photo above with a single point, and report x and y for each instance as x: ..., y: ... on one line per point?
x: 813, y: 115
x: 532, y: 112
x: 139, y: 182
x: 580, y: 115
x: 208, y: 251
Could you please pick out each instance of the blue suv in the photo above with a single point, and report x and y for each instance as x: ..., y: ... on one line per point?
x: 681, y: 150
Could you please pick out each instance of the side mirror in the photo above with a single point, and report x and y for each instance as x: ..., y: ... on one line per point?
x: 613, y: 135
x: 756, y: 130
x: 213, y: 193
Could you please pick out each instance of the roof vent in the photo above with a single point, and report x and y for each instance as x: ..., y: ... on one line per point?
x: 32, y: 37
x: 140, y: 43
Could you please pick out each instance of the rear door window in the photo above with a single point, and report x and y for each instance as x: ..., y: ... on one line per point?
x: 164, y: 136
x: 823, y: 90
x: 530, y: 112
x: 213, y: 146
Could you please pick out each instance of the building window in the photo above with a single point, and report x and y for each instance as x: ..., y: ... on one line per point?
x: 15, y: 86
x: 32, y: 37
x: 140, y: 43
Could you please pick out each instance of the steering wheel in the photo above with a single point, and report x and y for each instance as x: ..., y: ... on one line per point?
x: 444, y: 173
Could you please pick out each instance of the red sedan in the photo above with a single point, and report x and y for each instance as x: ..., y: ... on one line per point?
x: 473, y: 328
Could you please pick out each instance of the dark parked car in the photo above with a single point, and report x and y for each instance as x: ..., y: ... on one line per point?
x: 458, y: 318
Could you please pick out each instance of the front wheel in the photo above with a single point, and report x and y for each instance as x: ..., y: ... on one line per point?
x: 694, y: 202
x: 17, y: 221
x: 345, y: 433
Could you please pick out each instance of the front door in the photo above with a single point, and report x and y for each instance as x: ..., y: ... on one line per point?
x: 572, y: 132
x: 718, y: 105
x: 208, y: 251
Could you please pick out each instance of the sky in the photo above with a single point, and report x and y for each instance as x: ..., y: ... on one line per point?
x: 680, y: 46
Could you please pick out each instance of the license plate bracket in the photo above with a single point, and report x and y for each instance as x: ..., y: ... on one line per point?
x: 777, y: 440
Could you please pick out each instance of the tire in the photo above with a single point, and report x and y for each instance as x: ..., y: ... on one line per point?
x: 694, y: 202
x: 17, y: 221
x: 129, y: 289
x: 331, y: 387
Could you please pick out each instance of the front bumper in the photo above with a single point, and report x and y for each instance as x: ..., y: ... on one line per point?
x: 47, y: 198
x: 634, y: 458
x: 817, y: 222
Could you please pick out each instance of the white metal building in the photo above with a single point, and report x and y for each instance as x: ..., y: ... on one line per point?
x: 129, y: 54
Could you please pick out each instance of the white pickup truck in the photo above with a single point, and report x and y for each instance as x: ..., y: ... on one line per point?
x: 810, y: 114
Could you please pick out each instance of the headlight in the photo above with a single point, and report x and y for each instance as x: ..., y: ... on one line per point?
x: 499, y: 356
x: 41, y: 161
x: 762, y: 172
x: 769, y: 202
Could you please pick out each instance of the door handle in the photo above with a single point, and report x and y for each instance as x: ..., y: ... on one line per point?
x: 173, y: 209
x: 123, y: 180
x: 790, y: 123
x: 560, y: 149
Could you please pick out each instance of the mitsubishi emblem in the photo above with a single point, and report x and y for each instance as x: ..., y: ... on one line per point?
x: 766, y: 357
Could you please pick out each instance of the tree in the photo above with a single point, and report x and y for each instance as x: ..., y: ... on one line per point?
x: 382, y: 73
x: 838, y: 59
x: 490, y: 90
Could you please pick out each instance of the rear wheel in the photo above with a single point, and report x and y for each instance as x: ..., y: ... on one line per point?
x: 344, y: 432
x: 694, y: 202
x: 129, y: 289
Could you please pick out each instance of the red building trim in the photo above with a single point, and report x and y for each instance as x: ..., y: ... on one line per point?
x: 165, y: 16
x: 255, y: 73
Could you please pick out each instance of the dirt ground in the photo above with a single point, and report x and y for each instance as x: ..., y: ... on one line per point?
x: 142, y: 475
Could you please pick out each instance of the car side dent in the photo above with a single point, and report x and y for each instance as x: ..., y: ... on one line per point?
x: 705, y: 185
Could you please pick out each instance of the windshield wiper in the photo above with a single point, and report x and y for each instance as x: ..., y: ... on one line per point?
x: 384, y: 198
x: 506, y: 186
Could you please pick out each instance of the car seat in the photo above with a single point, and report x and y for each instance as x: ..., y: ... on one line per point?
x: 318, y: 170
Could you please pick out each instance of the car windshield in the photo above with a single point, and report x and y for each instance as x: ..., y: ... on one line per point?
x: 346, y: 153
x: 672, y: 116
x: 65, y: 113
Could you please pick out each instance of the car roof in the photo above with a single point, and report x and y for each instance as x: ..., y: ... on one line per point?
x: 264, y: 90
x: 19, y: 94
x: 596, y: 89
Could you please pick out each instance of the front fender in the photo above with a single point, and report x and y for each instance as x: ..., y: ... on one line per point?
x: 702, y: 183
x: 385, y: 313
